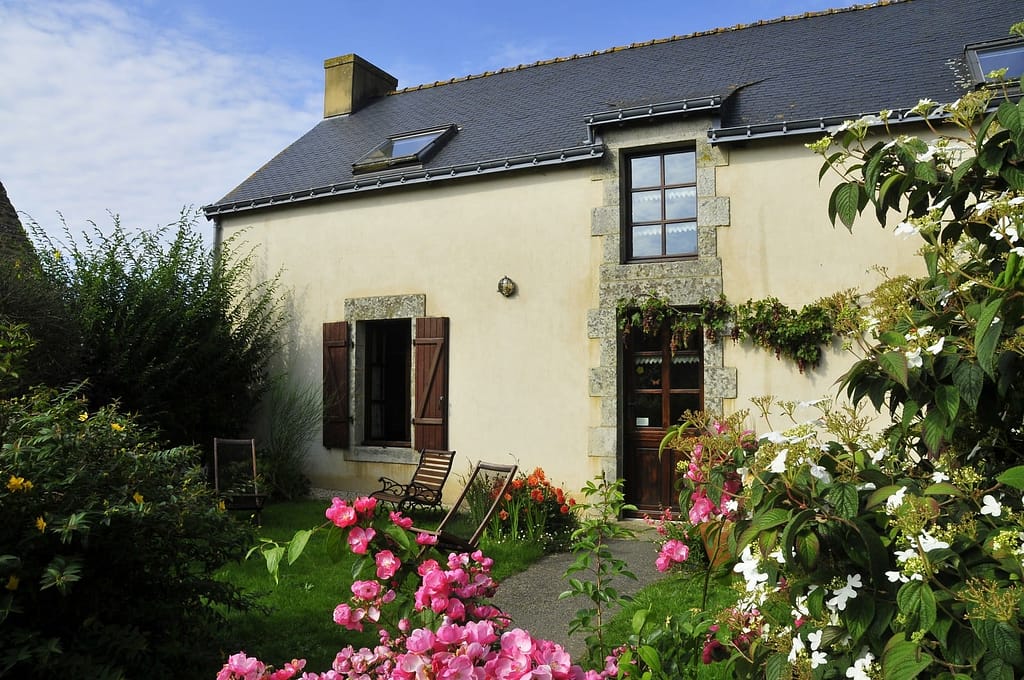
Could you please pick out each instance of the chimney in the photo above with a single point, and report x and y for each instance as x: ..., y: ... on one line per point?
x: 350, y: 82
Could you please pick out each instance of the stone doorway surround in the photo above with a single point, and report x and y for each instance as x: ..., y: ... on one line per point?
x: 682, y: 282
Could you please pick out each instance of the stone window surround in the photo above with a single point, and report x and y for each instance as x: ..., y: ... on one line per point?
x: 682, y: 282
x: 377, y: 308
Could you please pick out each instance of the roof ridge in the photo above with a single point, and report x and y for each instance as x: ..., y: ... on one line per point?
x: 648, y: 43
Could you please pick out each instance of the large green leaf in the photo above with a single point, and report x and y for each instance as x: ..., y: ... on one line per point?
x: 844, y: 202
x: 1009, y: 116
x: 917, y: 604
x: 895, y: 366
x: 1001, y: 638
x: 947, y: 398
x: 969, y: 379
x: 298, y: 544
x: 1013, y: 477
x: 844, y: 498
x: 986, y: 337
x: 859, y: 613
x: 934, y: 430
x: 903, y: 659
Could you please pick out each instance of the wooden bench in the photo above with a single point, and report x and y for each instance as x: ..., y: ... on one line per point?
x: 424, y: 489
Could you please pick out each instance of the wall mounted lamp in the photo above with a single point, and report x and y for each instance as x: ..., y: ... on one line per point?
x: 506, y: 286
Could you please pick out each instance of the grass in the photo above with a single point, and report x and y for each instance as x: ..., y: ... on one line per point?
x: 296, y: 621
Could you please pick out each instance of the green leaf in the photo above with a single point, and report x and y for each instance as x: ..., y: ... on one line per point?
x: 917, y: 603
x: 844, y: 203
x: 777, y: 667
x: 844, y: 498
x: 649, y: 655
x: 789, y: 534
x: 298, y: 544
x: 903, y: 660
x: 895, y: 366
x: 808, y: 548
x: 893, y: 339
x: 1001, y: 639
x: 1009, y: 116
x: 273, y: 557
x: 1013, y: 176
x: 986, y: 337
x: 969, y: 379
x: 947, y: 398
x: 994, y: 668
x: 879, y: 496
x: 400, y: 535
x: 934, y: 430
x: 941, y: 489
x: 771, y: 518
x: 859, y: 613
x: 640, y: 620
x: 925, y: 171
x: 1013, y: 477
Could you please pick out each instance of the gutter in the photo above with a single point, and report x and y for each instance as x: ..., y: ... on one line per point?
x: 809, y: 126
x: 586, y: 152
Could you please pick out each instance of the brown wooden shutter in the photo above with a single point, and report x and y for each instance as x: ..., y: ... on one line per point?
x: 430, y: 421
x: 336, y: 385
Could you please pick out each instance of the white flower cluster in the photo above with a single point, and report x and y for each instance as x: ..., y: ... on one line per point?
x: 917, y: 339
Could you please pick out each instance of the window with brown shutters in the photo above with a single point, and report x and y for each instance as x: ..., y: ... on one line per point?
x: 335, y: 393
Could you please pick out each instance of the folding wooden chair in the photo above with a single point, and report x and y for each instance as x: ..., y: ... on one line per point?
x: 499, y: 479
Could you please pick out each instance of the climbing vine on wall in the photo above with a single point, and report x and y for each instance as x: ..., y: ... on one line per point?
x: 797, y: 335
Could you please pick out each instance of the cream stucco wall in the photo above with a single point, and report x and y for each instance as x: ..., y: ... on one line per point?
x: 518, y: 367
x: 780, y: 243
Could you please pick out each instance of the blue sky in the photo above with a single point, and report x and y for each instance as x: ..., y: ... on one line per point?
x: 141, y: 108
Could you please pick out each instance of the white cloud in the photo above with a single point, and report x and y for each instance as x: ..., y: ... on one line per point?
x: 104, y: 109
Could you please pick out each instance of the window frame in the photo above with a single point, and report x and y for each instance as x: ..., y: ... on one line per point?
x: 974, y: 52
x: 627, y: 191
x: 373, y: 331
x: 376, y: 159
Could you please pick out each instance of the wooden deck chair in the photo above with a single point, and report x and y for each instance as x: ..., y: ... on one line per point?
x: 426, y: 485
x: 234, y: 475
x: 496, y: 477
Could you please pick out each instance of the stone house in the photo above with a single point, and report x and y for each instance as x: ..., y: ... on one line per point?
x: 674, y: 166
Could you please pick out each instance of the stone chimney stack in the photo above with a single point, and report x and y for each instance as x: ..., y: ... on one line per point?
x: 350, y: 82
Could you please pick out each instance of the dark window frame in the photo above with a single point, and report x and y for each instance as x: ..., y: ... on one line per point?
x: 379, y: 157
x: 627, y: 191
x: 974, y: 52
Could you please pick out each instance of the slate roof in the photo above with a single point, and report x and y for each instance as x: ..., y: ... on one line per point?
x: 773, y: 75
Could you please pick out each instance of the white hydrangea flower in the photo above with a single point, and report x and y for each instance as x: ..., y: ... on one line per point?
x: 914, y: 359
x: 929, y: 542
x: 749, y: 568
x: 778, y: 464
x: 862, y: 667
x: 818, y: 658
x: 847, y: 592
x: 896, y: 500
x: 820, y: 473
x: 939, y: 476
x: 936, y: 347
x: 990, y: 506
x: 906, y: 229
x: 797, y: 650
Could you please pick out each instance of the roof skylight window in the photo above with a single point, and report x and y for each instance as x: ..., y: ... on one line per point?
x: 984, y: 58
x: 412, y: 148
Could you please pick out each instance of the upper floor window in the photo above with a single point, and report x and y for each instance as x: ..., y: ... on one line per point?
x: 661, y: 205
x: 984, y: 58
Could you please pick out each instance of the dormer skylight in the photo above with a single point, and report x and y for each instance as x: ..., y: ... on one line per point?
x: 410, y: 148
x: 984, y: 58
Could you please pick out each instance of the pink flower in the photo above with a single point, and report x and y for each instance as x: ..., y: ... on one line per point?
x: 426, y: 539
x: 365, y: 505
x: 398, y: 520
x: 420, y: 641
x: 366, y: 590
x: 242, y: 667
x: 348, y: 617
x: 341, y: 513
x: 289, y: 670
x: 702, y: 507
x: 387, y: 564
x: 672, y: 552
x: 359, y: 539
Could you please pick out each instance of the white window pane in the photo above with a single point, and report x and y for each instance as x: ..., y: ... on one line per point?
x: 680, y: 168
x: 681, y: 204
x: 646, y: 206
x: 647, y: 241
x: 681, y: 239
x: 645, y: 172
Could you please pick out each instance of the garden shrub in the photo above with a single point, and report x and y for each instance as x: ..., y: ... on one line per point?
x: 108, y: 543
x: 534, y: 510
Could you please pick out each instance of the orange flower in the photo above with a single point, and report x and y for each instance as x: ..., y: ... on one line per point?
x: 560, y: 496
x: 508, y: 497
x: 532, y: 481
x: 537, y: 495
x: 503, y: 515
x: 517, y: 483
x: 564, y: 509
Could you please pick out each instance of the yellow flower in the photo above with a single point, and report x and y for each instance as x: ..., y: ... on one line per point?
x: 117, y: 427
x: 83, y: 416
x: 137, y: 497
x: 40, y: 524
x: 221, y: 506
x: 18, y: 484
x: 12, y: 582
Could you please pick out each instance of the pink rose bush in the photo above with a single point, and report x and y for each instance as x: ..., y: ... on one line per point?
x: 441, y: 625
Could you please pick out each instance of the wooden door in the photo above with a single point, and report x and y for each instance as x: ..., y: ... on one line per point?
x: 659, y: 385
